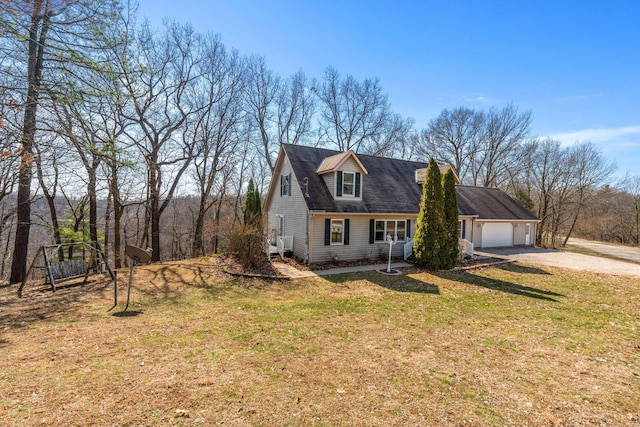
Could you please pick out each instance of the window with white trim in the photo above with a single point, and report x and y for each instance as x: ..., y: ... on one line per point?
x: 337, y: 231
x: 348, y: 184
x: 285, y: 185
x: 390, y: 227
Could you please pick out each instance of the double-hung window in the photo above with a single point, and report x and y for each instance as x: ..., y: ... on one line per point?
x: 348, y: 180
x: 390, y: 227
x: 337, y: 231
x: 348, y: 184
x: 285, y: 185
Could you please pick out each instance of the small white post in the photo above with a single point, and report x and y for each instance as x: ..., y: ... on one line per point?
x: 392, y: 241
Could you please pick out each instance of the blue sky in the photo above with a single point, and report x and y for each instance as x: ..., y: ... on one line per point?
x: 574, y: 64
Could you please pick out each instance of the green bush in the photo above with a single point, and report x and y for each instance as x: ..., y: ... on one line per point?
x: 429, y: 237
x: 450, y: 247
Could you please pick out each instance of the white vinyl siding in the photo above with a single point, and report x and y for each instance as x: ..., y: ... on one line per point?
x: 330, y: 182
x: 291, y: 211
x: 520, y: 234
x: 358, y: 247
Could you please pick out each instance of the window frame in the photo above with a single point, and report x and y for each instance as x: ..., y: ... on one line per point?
x: 331, y: 233
x: 348, y: 181
x: 386, y: 231
x: 285, y: 185
x: 353, y: 184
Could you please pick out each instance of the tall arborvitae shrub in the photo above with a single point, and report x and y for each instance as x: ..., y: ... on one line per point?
x: 429, y: 237
x: 450, y: 247
x: 247, y: 239
x: 253, y: 209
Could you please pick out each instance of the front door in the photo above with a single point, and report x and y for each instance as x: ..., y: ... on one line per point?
x: 527, y: 234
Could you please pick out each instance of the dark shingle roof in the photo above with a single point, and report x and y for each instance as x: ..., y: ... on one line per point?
x: 390, y: 187
x: 489, y: 203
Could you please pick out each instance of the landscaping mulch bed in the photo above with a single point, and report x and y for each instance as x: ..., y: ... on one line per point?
x: 477, y: 262
x: 231, y: 265
x: 298, y: 264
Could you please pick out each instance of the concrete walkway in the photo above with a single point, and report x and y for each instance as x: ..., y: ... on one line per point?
x: 293, y: 273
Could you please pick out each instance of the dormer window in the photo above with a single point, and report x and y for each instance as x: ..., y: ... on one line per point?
x: 343, y: 174
x: 348, y: 184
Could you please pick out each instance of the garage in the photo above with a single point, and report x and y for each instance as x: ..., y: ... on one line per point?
x: 496, y: 235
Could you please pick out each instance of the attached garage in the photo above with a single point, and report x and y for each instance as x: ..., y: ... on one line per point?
x: 497, y: 235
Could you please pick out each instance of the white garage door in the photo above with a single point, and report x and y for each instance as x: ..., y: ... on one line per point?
x: 496, y: 235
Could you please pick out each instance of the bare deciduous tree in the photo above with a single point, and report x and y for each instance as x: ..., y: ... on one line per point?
x: 296, y: 106
x: 453, y: 138
x: 161, y: 88
x: 589, y: 171
x: 260, y: 95
x: 46, y: 39
x: 501, y: 134
x: 631, y: 184
x: 351, y: 112
x: 217, y: 130
x: 484, y: 148
x: 281, y: 109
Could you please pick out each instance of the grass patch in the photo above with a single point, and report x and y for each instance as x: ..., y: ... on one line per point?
x: 514, y: 345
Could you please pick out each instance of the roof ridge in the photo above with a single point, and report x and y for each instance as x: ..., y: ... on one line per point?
x: 295, y: 146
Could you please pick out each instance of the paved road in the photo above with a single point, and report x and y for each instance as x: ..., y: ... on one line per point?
x: 624, y: 252
x: 561, y: 259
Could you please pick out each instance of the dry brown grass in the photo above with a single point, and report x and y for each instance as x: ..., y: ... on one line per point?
x: 514, y: 345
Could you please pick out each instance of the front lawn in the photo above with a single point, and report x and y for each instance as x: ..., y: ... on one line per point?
x: 515, y: 345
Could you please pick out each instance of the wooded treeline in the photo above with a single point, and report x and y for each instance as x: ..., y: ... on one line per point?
x: 115, y: 131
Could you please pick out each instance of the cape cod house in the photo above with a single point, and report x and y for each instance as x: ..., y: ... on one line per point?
x: 327, y: 205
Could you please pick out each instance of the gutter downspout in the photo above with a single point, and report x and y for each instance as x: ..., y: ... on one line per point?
x: 307, y: 247
x: 473, y: 220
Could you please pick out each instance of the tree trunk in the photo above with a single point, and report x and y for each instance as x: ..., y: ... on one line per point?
x: 107, y: 219
x: 21, y: 246
x: 50, y: 196
x: 197, y: 248
x: 118, y: 211
x: 5, y: 253
x: 216, y: 239
x: 154, y: 213
x: 37, y: 43
x: 93, y: 202
x: 575, y: 219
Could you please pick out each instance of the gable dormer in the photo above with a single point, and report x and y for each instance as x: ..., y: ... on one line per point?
x: 343, y: 174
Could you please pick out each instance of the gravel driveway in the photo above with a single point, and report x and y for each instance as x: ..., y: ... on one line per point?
x: 562, y: 259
